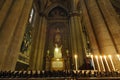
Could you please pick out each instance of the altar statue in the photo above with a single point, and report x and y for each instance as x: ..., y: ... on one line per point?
x: 57, y: 51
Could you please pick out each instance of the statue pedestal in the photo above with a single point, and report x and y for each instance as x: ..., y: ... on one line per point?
x: 57, y: 64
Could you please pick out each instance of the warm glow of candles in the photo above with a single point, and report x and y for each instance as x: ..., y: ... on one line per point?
x: 102, y: 63
x: 106, y: 63
x: 76, y: 66
x: 98, y: 63
x: 58, y: 59
x: 110, y: 57
x: 93, y: 62
x: 118, y: 57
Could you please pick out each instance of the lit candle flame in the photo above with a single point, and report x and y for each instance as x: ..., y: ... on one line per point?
x: 107, y: 63
x: 102, y: 63
x: 76, y: 62
x: 118, y: 57
x: 75, y: 56
x: 110, y: 57
x: 93, y: 62
x: 98, y: 63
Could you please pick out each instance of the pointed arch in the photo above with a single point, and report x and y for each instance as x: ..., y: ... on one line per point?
x: 53, y: 6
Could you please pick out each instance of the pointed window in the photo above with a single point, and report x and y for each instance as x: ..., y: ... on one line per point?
x: 31, y: 15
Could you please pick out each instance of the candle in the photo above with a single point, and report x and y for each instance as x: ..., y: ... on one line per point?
x: 93, y: 62
x: 110, y: 57
x: 107, y: 63
x: 76, y: 66
x: 118, y: 57
x: 102, y: 63
x: 98, y: 63
x: 67, y: 51
x: 48, y: 52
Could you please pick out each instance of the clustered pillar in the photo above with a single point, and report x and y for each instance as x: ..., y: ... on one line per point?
x: 14, y: 17
x: 38, y: 57
x: 105, y: 26
x: 113, y: 27
x: 76, y: 35
x: 41, y: 45
x: 89, y: 28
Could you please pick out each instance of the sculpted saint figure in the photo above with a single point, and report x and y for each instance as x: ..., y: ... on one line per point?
x: 57, y: 51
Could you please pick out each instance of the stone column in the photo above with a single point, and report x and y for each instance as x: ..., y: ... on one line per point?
x: 33, y: 57
x: 4, y: 11
x: 42, y: 44
x: 111, y: 21
x: 90, y: 30
x: 35, y: 39
x: 15, y: 44
x: 112, y: 26
x: 103, y: 37
x: 75, y: 30
x: 8, y: 28
x: 76, y: 39
x: 80, y: 43
x: 39, y: 48
x: 73, y: 42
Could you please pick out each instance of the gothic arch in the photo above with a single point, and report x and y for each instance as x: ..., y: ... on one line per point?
x: 53, y: 6
x: 58, y: 12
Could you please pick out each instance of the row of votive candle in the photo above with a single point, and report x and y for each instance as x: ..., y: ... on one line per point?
x: 103, y: 61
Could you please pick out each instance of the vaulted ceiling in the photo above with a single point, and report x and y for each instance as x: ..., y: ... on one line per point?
x: 66, y: 4
x: 45, y: 4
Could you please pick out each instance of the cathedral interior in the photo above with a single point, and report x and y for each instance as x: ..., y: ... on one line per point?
x: 80, y: 38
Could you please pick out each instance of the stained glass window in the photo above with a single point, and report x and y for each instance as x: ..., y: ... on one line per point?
x: 27, y: 36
